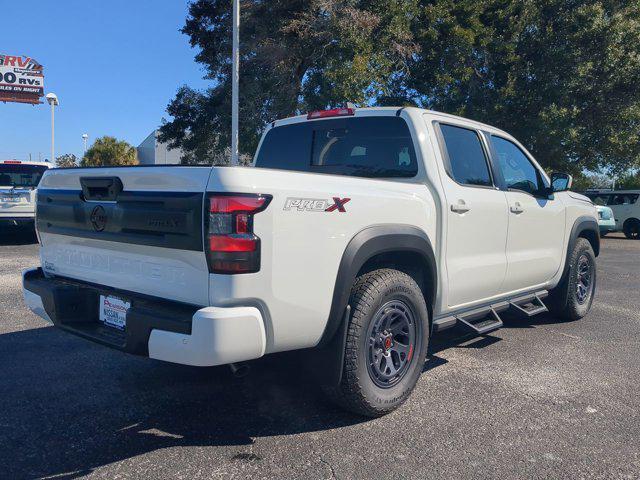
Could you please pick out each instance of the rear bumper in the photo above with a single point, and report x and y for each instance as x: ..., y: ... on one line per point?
x: 161, y: 329
x: 15, y: 221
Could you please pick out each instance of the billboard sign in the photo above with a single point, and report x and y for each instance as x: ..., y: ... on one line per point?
x: 21, y: 79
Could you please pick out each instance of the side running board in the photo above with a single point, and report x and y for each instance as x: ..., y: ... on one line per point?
x: 531, y: 307
x: 481, y: 324
x: 484, y: 319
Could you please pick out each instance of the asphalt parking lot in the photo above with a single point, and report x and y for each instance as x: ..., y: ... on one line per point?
x: 536, y: 399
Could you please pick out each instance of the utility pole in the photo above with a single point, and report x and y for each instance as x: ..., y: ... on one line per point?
x: 235, y: 80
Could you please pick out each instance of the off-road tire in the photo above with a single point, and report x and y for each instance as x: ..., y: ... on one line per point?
x: 370, y: 295
x: 564, y: 300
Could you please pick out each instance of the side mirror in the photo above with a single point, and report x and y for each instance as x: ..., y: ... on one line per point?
x: 561, y: 182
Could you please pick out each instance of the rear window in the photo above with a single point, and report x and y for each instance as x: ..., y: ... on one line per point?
x: 20, y: 175
x: 361, y: 147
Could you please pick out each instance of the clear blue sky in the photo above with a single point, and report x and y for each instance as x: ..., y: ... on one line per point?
x: 114, y: 65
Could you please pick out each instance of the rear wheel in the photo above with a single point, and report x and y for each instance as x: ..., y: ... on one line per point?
x: 572, y: 298
x: 387, y: 341
x: 632, y: 229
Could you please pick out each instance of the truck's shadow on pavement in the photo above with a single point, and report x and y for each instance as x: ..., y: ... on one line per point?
x: 69, y: 406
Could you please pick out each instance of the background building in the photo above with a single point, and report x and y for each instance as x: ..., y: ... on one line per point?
x: 153, y: 152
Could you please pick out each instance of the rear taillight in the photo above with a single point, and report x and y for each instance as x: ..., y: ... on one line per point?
x: 231, y: 245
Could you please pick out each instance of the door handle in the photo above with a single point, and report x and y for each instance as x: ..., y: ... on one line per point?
x: 460, y: 207
x: 516, y: 208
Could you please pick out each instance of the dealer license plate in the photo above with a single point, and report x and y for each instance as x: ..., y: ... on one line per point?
x: 113, y: 311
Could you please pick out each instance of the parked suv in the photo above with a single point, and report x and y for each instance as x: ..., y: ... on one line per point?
x: 625, y: 207
x: 357, y: 234
x: 18, y: 182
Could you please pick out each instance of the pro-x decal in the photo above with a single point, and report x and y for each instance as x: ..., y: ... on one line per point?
x: 316, y: 204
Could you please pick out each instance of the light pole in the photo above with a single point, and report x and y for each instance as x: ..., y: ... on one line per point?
x: 235, y: 78
x: 52, y: 98
x: 84, y: 141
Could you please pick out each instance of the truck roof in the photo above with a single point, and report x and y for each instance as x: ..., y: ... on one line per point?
x: 370, y: 111
x: 25, y: 162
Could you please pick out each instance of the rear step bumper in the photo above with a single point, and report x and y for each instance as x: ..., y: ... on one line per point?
x: 161, y: 329
x: 17, y: 221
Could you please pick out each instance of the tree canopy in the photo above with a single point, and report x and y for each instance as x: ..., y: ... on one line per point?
x: 560, y: 75
x: 68, y: 160
x: 109, y: 151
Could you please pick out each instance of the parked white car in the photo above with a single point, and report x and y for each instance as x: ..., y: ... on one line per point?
x: 18, y: 182
x: 625, y: 207
x: 356, y: 233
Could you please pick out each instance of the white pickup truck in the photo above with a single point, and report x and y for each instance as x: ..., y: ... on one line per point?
x: 18, y: 182
x: 356, y: 234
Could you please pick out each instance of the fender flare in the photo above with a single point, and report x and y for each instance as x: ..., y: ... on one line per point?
x: 581, y: 225
x: 365, y: 245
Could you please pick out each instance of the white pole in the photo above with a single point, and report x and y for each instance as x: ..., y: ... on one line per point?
x: 53, y: 158
x: 235, y: 79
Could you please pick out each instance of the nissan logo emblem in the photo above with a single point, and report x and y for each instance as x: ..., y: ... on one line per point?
x: 98, y: 218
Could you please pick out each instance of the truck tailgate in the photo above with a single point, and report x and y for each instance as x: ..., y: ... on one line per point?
x: 137, y: 229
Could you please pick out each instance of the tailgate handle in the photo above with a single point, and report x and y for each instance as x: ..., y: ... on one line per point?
x: 101, y: 188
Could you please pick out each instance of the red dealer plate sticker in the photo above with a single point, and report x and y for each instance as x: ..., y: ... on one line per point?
x: 113, y: 311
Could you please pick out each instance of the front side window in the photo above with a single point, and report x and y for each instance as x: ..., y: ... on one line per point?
x: 599, y: 199
x: 518, y: 171
x: 364, y: 147
x: 467, y: 162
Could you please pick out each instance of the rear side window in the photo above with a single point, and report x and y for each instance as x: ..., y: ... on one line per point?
x: 467, y: 162
x: 363, y: 147
x: 623, y: 199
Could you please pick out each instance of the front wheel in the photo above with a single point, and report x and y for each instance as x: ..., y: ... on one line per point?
x: 387, y: 341
x: 572, y: 298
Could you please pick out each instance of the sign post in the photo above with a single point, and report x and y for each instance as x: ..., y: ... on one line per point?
x: 235, y: 79
x: 52, y: 98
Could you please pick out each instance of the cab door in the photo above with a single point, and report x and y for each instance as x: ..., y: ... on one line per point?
x: 476, y: 217
x: 535, y: 240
